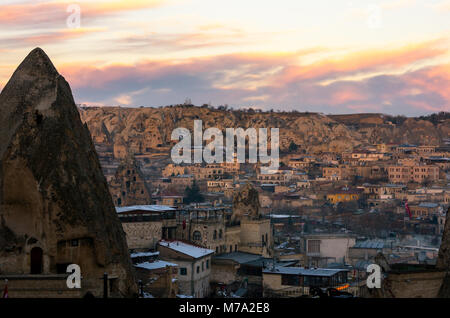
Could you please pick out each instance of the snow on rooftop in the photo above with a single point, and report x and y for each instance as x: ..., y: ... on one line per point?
x: 155, y: 265
x: 151, y: 208
x: 144, y: 254
x: 283, y: 216
x: 187, y: 249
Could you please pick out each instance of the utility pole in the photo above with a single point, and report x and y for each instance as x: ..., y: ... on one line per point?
x: 105, y: 285
x: 141, y: 289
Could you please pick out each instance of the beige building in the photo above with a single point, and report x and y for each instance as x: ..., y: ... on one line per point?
x: 194, y: 265
x: 289, y: 282
x: 159, y: 278
x: 322, y: 249
x: 256, y: 236
x: 383, y: 191
x: 203, y: 226
x: 221, y: 185
x: 413, y: 173
x: 425, y: 210
x: 208, y: 172
x: 172, y: 170
x: 145, y: 225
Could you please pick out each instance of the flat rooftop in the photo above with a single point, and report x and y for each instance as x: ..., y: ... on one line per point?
x: 148, y: 208
x: 324, y: 272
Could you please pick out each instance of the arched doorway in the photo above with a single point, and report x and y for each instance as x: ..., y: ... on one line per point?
x: 36, y: 260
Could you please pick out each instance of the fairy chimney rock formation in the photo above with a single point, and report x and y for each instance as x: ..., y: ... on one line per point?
x: 245, y: 203
x: 443, y: 261
x: 55, y: 207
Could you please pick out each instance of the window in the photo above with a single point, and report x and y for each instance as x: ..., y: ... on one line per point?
x: 290, y: 280
x: 215, y: 235
x: 313, y: 246
x: 198, y: 269
x: 197, y: 236
x: 207, y: 263
x: 74, y: 243
x: 203, y: 266
x: 183, y: 271
x: 235, y: 248
x: 220, y: 233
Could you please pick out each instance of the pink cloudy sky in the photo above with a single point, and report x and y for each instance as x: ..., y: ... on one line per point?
x: 328, y: 56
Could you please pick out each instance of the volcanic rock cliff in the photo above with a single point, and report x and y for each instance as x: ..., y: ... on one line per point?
x: 143, y: 130
x: 55, y: 207
x: 443, y: 262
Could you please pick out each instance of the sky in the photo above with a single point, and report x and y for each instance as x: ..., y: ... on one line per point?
x: 335, y: 56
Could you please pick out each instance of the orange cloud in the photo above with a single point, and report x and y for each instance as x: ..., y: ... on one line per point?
x: 60, y: 35
x: 348, y: 94
x: 434, y: 79
x: 363, y: 61
x: 229, y: 79
x: 51, y: 11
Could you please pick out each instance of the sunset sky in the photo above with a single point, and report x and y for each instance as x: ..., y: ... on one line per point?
x: 327, y: 56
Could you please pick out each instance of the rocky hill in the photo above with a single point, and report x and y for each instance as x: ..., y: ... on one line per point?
x: 143, y: 130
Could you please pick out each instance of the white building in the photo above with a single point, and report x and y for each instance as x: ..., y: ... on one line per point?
x: 194, y: 266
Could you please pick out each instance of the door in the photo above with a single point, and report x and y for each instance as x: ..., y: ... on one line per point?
x: 36, y: 260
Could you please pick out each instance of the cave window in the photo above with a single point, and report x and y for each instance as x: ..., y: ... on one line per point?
x: 36, y: 256
x: 197, y: 236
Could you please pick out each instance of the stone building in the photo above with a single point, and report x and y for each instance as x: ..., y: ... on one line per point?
x: 204, y: 226
x: 159, y: 278
x: 413, y: 173
x: 145, y: 225
x: 172, y: 170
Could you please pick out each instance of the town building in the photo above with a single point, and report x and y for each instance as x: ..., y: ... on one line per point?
x: 145, y: 225
x: 323, y: 249
x: 297, y: 281
x: 344, y: 194
x: 413, y: 173
x: 194, y: 266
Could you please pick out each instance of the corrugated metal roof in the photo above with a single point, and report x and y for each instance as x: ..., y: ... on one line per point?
x: 151, y: 208
x: 238, y: 257
x: 369, y: 244
x: 326, y: 272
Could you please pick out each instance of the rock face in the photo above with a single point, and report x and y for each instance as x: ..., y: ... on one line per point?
x: 55, y: 207
x: 443, y: 262
x: 146, y: 130
x: 128, y: 186
x: 245, y: 202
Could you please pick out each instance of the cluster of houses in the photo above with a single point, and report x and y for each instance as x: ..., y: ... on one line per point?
x: 317, y: 225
